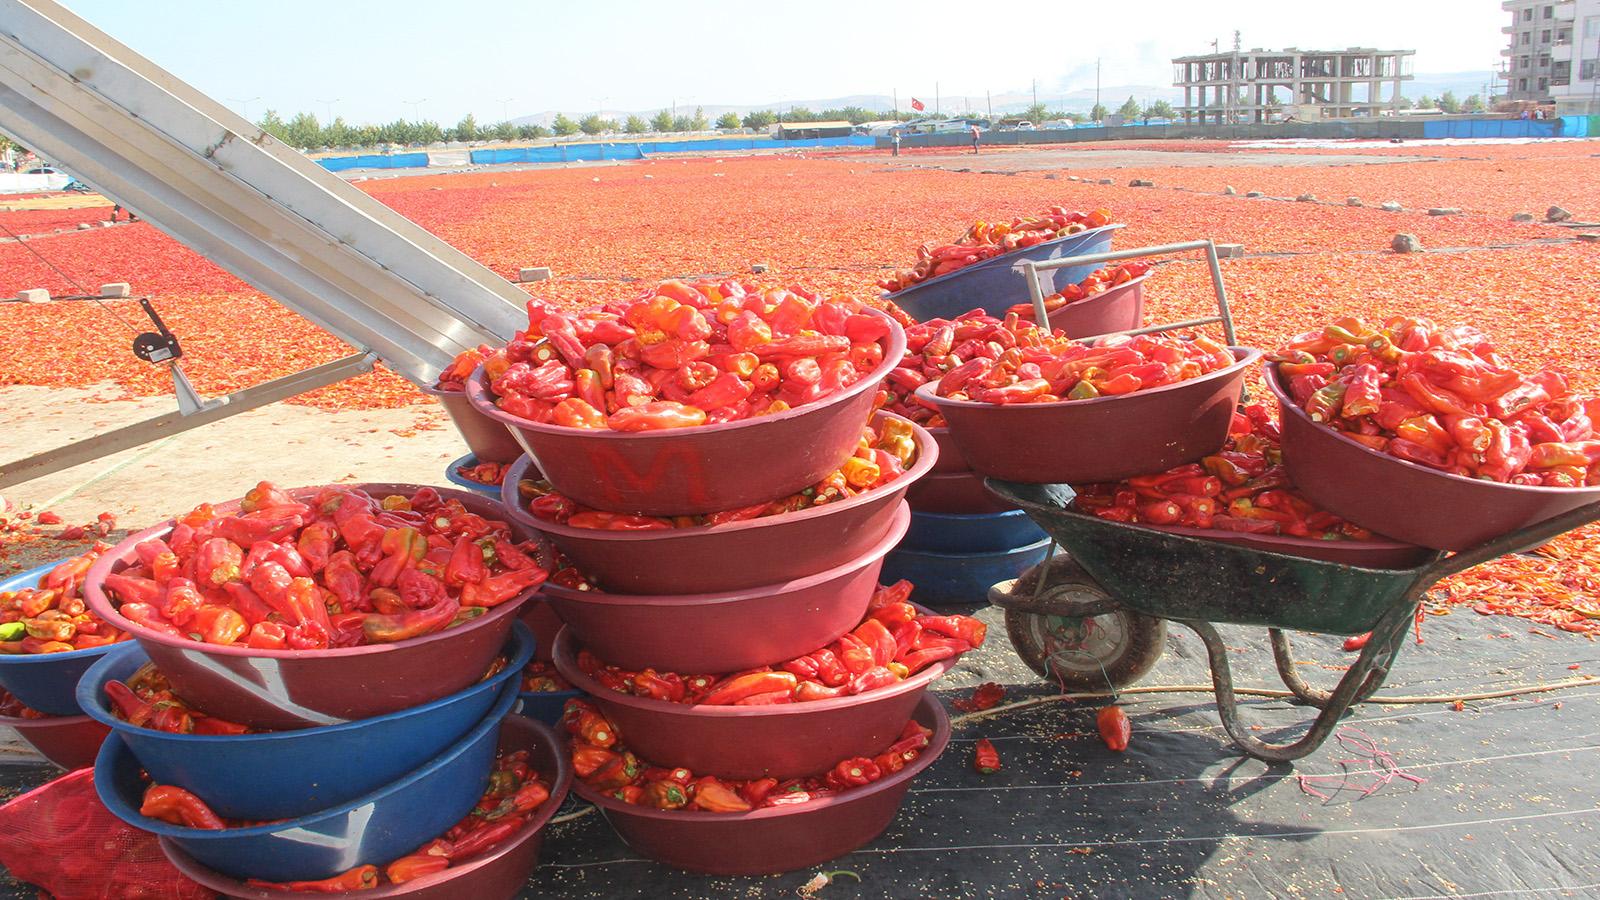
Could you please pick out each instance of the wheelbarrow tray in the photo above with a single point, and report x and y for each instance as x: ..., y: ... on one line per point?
x: 998, y: 283
x: 1183, y: 578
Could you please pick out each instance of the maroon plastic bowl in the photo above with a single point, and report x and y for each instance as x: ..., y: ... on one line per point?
x: 542, y: 620
x: 1401, y: 499
x: 776, y: 839
x: 732, y: 630
x: 788, y: 740
x: 71, y: 742
x: 959, y: 493
x: 715, y: 558
x: 1381, y: 553
x: 1103, y: 439
x: 489, y: 440
x: 283, y: 689
x: 689, y: 471
x: 1119, y: 309
x: 501, y: 873
x: 950, y: 458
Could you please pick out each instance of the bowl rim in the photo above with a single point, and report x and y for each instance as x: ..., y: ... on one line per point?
x: 24, y: 659
x: 564, y: 657
x: 1080, y: 235
x: 936, y: 746
x: 95, y: 596
x: 90, y: 691
x: 115, y: 744
x: 1098, y: 295
x: 895, y: 341
x: 1287, y: 402
x: 21, y: 724
x: 987, y: 554
x: 560, y: 786
x: 898, y: 525
x: 965, y: 517
x: 927, y: 457
x: 1243, y: 358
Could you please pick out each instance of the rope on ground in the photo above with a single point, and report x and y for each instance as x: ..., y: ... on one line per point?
x: 573, y: 816
x: 1274, y: 693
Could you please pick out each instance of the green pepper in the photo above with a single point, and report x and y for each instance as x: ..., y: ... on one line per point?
x: 12, y: 631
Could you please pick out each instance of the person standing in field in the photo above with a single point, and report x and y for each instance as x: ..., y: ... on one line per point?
x: 896, y: 135
x: 974, y: 140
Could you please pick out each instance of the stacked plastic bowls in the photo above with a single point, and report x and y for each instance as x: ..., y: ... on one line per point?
x: 351, y: 756
x: 722, y: 598
x: 45, y: 683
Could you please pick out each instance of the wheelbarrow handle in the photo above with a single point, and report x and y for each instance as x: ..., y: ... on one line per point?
x: 1517, y: 541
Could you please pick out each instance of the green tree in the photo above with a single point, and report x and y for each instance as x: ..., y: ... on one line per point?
x: 1036, y: 113
x: 501, y: 131
x: 636, y: 125
x: 798, y: 114
x: 682, y: 123
x: 1473, y: 103
x: 728, y: 121
x: 1426, y: 102
x: 564, y: 126
x: 1160, y: 109
x: 368, y: 136
x: 271, y: 124
x: 1130, y: 109
x: 699, y: 123
x: 532, y: 132
x: 466, y: 129
x: 303, y: 131
x: 1403, y: 102
x: 661, y: 122
x: 855, y: 115
x: 760, y: 119
x: 1098, y: 114
x: 338, y: 134
x: 1449, y: 103
x: 592, y: 124
x: 428, y: 132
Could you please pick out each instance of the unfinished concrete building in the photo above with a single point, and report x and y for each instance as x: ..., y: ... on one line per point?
x: 1242, y: 86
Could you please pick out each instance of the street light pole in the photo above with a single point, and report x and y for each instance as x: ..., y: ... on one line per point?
x: 246, y: 104
x: 328, y: 104
x: 416, y: 108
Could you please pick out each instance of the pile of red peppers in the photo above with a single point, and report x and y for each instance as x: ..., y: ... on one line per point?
x: 603, y: 762
x: 51, y: 617
x: 12, y: 708
x: 343, y: 569
x: 1444, y: 399
x: 1033, y: 366
x: 454, y: 377
x: 683, y: 355
x: 893, y: 643
x: 986, y: 240
x: 146, y: 700
x: 539, y: 677
x: 1099, y: 281
x: 1243, y: 487
x: 485, y: 472
x: 880, y: 458
x: 936, y: 346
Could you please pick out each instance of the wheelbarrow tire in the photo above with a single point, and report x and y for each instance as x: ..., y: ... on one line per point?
x: 1119, y: 647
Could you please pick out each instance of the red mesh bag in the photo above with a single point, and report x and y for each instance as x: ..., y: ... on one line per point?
x: 63, y: 839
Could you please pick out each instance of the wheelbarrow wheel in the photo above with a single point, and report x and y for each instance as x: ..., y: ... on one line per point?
x: 1083, y: 653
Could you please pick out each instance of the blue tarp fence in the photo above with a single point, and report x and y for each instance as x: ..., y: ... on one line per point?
x: 375, y: 161
x: 1494, y: 128
x: 559, y: 153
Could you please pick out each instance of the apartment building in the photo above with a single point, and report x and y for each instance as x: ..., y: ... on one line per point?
x: 1551, y: 54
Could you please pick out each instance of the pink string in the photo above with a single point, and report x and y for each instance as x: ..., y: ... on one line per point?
x: 1369, y: 755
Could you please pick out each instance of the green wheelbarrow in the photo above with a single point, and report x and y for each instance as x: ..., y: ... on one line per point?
x: 1097, y: 613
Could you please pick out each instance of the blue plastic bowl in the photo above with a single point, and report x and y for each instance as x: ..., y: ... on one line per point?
x: 377, y: 828
x: 468, y: 461
x: 545, y: 706
x: 284, y: 774
x: 979, y: 533
x: 47, y: 682
x: 1000, y: 283
x: 943, y: 579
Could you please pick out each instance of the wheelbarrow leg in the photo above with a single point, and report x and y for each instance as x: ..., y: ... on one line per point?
x: 1365, y: 676
x: 1283, y: 655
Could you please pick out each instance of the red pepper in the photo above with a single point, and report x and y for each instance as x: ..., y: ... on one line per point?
x: 732, y: 690
x: 879, y: 641
x: 712, y: 795
x: 132, y: 589
x: 965, y: 628
x: 410, y: 868
x: 853, y: 772
x: 179, y: 807
x: 497, y: 589
x: 404, y: 626
x: 985, y: 758
x: 1115, y: 729
x: 872, y: 679
x: 358, y: 879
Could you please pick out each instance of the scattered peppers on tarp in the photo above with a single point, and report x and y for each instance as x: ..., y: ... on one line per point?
x: 602, y: 761
x: 986, y: 240
x: 343, y: 569
x: 880, y: 458
x: 893, y: 642
x: 1443, y: 398
x: 985, y: 758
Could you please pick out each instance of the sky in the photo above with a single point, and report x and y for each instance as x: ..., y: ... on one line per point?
x: 378, y: 61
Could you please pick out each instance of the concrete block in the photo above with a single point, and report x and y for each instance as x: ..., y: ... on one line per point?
x: 1230, y: 251
x: 1140, y: 182
x: 116, y: 289
x: 1557, y: 214
x: 1051, y: 177
x: 1306, y: 198
x: 536, y: 273
x: 1229, y: 190
x: 1352, y: 201
x: 33, y: 295
x: 1254, y: 195
x: 1522, y: 217
x: 1589, y: 237
x: 85, y: 226
x: 1107, y: 181
x: 1405, y: 243
x: 1445, y: 211
x: 758, y: 268
x: 1392, y: 206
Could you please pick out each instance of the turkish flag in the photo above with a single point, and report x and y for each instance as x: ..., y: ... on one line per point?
x: 917, y: 105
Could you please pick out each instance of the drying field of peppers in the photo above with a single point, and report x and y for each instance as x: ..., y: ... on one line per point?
x: 840, y: 224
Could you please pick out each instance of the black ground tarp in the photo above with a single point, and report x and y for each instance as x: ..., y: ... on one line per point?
x: 1509, y: 806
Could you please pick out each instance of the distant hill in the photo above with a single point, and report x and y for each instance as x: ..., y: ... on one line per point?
x: 1463, y: 84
